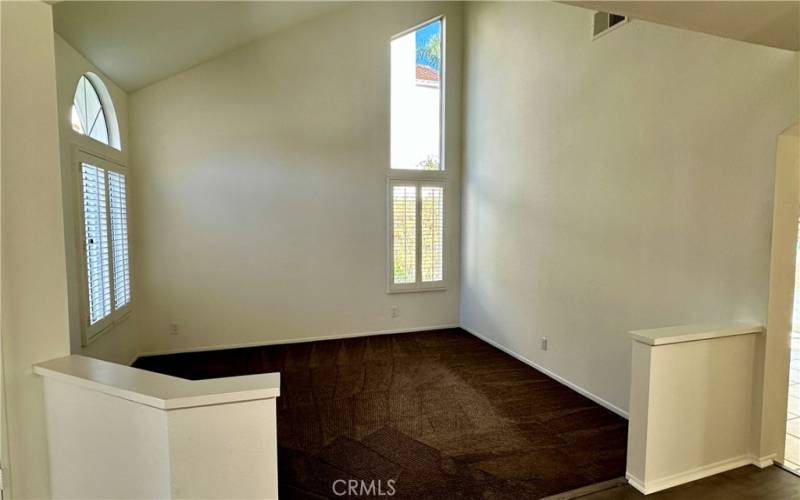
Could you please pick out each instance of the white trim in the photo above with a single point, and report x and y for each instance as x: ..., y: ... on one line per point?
x: 428, y: 83
x: 80, y: 149
x: 409, y: 174
x: 442, y: 90
x: 261, y: 343
x: 692, y: 333
x: 442, y: 288
x: 580, y: 390
x: 442, y: 96
x: 636, y: 483
x: 90, y: 333
x: 160, y: 391
x: 763, y: 462
x: 774, y: 388
x: 419, y: 285
x: 648, y: 487
x: 109, y: 111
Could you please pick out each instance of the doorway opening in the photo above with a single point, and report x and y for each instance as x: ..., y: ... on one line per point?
x: 792, y: 454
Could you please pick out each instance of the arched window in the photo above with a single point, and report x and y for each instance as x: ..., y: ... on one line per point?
x: 104, y: 211
x: 93, y: 112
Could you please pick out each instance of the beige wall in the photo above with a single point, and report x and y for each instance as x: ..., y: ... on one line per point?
x: 770, y: 416
x: 614, y: 184
x: 119, y: 343
x: 34, y: 324
x: 690, y: 408
x: 259, y: 200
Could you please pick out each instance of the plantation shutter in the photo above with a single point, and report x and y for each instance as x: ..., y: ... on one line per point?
x: 432, y: 221
x: 119, y: 238
x: 95, y: 220
x: 404, y: 234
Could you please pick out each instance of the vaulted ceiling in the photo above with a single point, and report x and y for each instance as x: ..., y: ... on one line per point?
x: 138, y: 43
x: 775, y: 24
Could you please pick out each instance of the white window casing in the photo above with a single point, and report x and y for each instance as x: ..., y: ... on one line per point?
x: 103, y: 243
x: 417, y: 174
x: 416, y: 235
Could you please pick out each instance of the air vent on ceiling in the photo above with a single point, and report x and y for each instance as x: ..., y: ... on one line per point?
x: 605, y: 22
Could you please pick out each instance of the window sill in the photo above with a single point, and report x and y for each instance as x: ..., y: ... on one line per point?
x: 123, y: 316
x: 417, y: 290
x: 414, y: 174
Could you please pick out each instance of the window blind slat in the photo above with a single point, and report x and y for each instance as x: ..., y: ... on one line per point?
x: 119, y: 238
x: 404, y: 231
x: 432, y: 221
x: 95, y: 236
x: 104, y: 206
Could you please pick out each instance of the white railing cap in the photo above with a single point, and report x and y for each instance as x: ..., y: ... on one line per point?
x: 691, y: 333
x: 154, y: 389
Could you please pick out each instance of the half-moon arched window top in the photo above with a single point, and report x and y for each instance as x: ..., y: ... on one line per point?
x: 93, y: 112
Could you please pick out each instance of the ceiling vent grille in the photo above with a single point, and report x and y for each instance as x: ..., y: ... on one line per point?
x: 605, y: 22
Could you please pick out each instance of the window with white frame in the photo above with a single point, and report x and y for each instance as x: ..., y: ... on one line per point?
x: 417, y: 178
x: 417, y: 234
x: 416, y: 100
x: 103, y: 209
x: 104, y: 217
x: 92, y: 113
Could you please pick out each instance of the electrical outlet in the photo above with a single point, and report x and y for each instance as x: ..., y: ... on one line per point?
x: 395, y: 311
x: 173, y: 328
x: 544, y: 343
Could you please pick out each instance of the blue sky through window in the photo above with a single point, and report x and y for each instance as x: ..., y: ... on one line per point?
x: 423, y: 36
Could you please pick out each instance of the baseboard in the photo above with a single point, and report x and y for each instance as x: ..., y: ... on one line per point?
x: 597, y: 399
x: 260, y: 343
x: 636, y: 483
x: 763, y: 462
x: 649, y: 487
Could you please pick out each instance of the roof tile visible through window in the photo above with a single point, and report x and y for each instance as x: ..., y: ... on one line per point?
x: 427, y: 74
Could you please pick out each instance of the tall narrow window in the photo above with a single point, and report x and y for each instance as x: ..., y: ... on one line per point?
x: 417, y: 238
x: 417, y: 74
x: 102, y: 191
x: 105, y: 243
x: 417, y: 175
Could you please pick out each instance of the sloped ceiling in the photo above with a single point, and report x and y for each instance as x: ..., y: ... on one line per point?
x: 138, y: 43
x: 775, y: 24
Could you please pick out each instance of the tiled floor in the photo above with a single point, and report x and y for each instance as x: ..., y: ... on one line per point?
x: 792, y: 455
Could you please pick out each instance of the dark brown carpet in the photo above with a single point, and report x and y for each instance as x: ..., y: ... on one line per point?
x: 442, y: 413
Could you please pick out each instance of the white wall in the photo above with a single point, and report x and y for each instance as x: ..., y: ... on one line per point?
x: 34, y: 324
x: 259, y: 198
x: 614, y: 184
x: 770, y: 417
x: 118, y: 343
